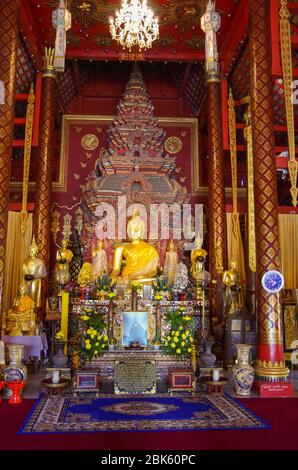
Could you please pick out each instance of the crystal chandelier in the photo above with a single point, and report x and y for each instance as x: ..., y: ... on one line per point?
x: 134, y: 25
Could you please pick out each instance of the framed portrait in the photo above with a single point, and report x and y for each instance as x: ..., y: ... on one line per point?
x: 134, y: 328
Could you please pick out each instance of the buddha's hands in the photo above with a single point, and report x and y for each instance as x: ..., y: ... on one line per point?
x: 114, y: 276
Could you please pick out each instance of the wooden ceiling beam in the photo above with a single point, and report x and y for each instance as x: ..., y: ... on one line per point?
x: 74, y: 52
x: 237, y: 33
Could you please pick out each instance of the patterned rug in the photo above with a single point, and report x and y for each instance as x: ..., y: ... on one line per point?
x: 138, y: 413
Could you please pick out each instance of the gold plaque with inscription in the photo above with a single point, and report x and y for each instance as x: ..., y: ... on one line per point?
x: 135, y: 376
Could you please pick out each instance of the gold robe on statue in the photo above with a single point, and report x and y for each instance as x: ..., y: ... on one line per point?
x: 141, y: 261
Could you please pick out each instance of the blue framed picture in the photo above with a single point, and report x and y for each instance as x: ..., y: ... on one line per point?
x: 135, y: 329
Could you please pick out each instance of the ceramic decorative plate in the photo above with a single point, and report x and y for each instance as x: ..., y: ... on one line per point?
x: 272, y: 281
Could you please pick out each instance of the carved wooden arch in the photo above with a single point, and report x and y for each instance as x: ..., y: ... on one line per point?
x: 136, y: 177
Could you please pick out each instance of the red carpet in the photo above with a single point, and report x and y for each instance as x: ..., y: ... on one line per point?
x: 281, y: 414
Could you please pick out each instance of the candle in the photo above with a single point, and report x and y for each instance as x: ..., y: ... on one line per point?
x: 2, y: 353
x: 76, y: 360
x: 56, y: 376
x: 215, y: 375
x: 64, y: 316
x: 203, y: 312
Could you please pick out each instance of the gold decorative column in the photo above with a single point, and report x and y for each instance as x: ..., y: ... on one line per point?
x: 8, y: 54
x: 270, y: 360
x: 286, y: 56
x: 210, y: 24
x: 42, y: 208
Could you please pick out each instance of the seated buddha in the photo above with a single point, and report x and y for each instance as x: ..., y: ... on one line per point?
x: 21, y: 317
x: 141, y: 259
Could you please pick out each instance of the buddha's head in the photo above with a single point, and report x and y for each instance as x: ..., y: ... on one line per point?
x: 33, y: 250
x: 23, y: 289
x: 198, y: 241
x: 135, y: 227
x: 100, y: 244
x: 171, y: 246
x: 233, y: 264
x: 64, y: 243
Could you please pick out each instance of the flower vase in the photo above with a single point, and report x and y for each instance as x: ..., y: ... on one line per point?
x: 243, y: 372
x: 15, y: 370
x: 59, y: 358
x: 207, y: 358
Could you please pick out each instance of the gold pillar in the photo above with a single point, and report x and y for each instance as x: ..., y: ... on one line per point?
x: 8, y: 55
x: 42, y: 207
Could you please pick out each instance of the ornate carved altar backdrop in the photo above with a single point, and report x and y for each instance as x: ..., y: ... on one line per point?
x: 130, y: 155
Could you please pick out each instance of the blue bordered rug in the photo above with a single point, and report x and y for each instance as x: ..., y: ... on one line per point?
x: 158, y: 412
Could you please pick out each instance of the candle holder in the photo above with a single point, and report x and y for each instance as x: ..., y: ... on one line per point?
x: 16, y: 387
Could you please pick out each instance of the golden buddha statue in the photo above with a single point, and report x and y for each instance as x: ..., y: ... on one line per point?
x: 171, y: 262
x: 231, y: 279
x: 197, y: 252
x: 34, y: 271
x: 63, y: 258
x: 100, y: 260
x: 86, y: 275
x: 21, y: 317
x: 141, y: 259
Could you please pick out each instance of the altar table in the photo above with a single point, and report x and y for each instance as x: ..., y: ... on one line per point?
x: 33, y: 345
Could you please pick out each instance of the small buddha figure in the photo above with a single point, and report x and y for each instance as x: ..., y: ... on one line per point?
x: 63, y: 258
x: 34, y: 271
x: 201, y: 276
x: 231, y: 279
x: 141, y: 259
x: 86, y: 275
x: 100, y: 260
x: 171, y: 262
x: 21, y: 316
x: 197, y: 252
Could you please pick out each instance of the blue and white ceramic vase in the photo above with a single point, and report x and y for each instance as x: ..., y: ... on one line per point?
x: 243, y: 372
x: 15, y: 370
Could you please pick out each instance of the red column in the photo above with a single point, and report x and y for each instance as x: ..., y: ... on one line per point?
x: 270, y: 360
x: 42, y: 211
x: 8, y: 54
x: 217, y: 222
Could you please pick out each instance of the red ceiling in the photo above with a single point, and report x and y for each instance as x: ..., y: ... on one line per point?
x: 181, y: 38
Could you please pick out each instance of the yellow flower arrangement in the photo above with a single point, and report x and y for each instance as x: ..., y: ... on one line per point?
x: 95, y: 340
x: 180, y: 334
x: 60, y: 337
x: 136, y: 285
